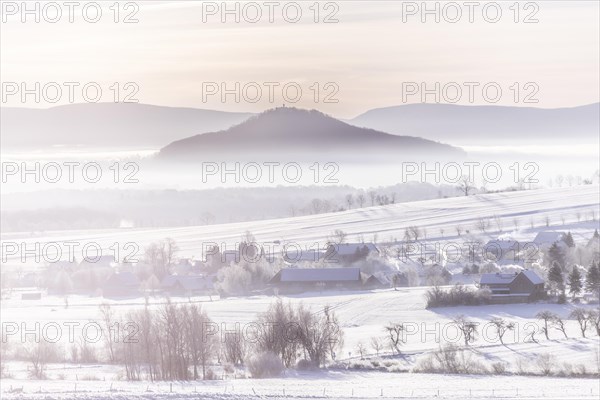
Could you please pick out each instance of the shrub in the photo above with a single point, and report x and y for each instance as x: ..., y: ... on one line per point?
x: 450, y: 359
x: 265, y: 365
x: 305, y: 365
x: 456, y: 296
x: 545, y: 363
x: 499, y: 368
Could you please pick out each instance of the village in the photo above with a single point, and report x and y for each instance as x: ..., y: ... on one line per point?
x: 514, y: 271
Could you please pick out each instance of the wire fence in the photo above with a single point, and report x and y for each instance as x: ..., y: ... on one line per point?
x: 256, y: 389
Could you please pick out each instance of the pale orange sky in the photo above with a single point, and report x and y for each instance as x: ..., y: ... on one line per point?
x: 368, y: 54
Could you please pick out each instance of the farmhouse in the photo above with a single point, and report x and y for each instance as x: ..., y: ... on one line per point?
x: 498, y: 250
x: 296, y: 280
x: 514, y: 288
x: 350, y: 252
x: 548, y: 238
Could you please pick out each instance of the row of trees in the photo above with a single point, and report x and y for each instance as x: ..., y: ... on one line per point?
x: 574, y: 281
x: 181, y: 342
x: 396, y: 336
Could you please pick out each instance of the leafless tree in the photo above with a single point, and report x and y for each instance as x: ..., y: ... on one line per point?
x: 320, y: 335
x: 108, y: 328
x: 39, y: 354
x: 395, y: 333
x: 316, y: 206
x: 458, y: 229
x: 360, y: 198
x: 594, y: 318
x: 376, y: 344
x: 465, y: 185
x: 481, y: 224
x: 349, y: 200
x: 547, y: 317
x: 582, y: 318
x: 280, y: 332
x: 467, y: 328
x: 360, y: 347
x: 502, y: 327
x: 338, y: 236
x: 372, y: 196
x: 559, y: 323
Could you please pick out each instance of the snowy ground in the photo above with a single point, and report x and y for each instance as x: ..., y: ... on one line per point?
x: 362, y: 315
x: 574, y: 205
x: 330, y: 385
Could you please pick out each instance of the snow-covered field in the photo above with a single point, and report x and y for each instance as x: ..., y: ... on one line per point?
x: 329, y: 385
x: 362, y: 315
x: 576, y: 206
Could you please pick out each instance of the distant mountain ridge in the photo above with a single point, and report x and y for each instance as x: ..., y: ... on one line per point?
x: 460, y: 125
x: 290, y: 132
x: 107, y: 125
x: 142, y: 126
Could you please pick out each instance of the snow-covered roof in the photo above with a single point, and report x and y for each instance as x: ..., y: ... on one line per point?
x: 504, y: 245
x: 548, y: 237
x: 505, y: 279
x: 319, y: 274
x: 303, y: 255
x: 348, y: 249
x: 497, y: 279
x: 533, y: 277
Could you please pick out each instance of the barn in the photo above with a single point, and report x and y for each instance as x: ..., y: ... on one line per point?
x: 297, y: 280
x: 519, y: 287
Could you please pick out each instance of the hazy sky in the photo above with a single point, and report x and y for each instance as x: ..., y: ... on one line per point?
x: 368, y: 54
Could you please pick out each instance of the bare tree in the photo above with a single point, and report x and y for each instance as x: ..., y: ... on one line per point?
x: 594, y: 318
x: 547, y: 317
x: 316, y: 206
x: 201, y: 344
x: 395, y: 336
x: 319, y: 335
x: 338, y: 236
x: 458, y: 229
x: 39, y: 354
x: 413, y: 232
x: 349, y: 200
x: 559, y: 323
x: 360, y: 198
x: 360, y: 347
x: 376, y: 344
x: 481, y: 224
x: 279, y: 323
x: 107, y: 315
x: 465, y: 185
x: 502, y: 327
x: 467, y: 328
x: 582, y: 318
x: 372, y: 196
